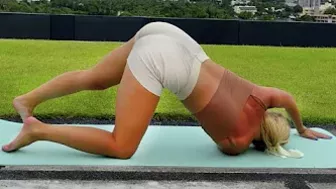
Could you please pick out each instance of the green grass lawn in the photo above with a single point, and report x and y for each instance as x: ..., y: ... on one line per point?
x: 308, y: 73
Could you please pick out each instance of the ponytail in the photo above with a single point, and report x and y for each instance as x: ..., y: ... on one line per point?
x: 279, y: 151
x: 275, y: 132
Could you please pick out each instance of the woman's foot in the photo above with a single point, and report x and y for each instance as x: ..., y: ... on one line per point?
x: 28, y: 135
x: 23, y: 107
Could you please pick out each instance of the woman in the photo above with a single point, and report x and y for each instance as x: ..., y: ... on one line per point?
x: 231, y: 110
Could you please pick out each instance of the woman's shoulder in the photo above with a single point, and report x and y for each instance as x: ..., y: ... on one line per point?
x: 272, y: 96
x: 265, y: 94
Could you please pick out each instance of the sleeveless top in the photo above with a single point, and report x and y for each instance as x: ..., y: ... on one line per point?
x: 219, y: 117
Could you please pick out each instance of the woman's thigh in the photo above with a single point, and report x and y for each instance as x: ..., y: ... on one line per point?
x: 108, y: 72
x: 135, y: 107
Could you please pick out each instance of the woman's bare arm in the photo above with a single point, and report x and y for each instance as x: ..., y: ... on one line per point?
x: 278, y: 98
x: 282, y: 99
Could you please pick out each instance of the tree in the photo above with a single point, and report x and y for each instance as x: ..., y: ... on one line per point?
x: 25, y: 7
x: 289, y: 9
x: 266, y: 17
x: 297, y: 9
x: 307, y: 18
x: 125, y: 13
x: 245, y: 15
x: 156, y: 8
x: 330, y: 10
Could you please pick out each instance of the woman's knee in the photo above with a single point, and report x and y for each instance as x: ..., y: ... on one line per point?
x: 122, y: 152
x: 125, y: 154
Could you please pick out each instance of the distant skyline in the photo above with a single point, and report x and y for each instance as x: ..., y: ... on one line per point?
x: 310, y: 3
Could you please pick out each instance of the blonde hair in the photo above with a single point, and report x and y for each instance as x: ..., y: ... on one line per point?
x: 275, y: 132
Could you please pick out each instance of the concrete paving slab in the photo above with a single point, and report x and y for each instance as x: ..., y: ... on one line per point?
x: 61, y: 184
x: 322, y: 186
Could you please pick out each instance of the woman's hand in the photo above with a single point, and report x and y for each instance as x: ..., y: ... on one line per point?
x: 314, y: 135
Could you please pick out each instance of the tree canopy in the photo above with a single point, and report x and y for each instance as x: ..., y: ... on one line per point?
x: 267, y: 9
x: 156, y: 8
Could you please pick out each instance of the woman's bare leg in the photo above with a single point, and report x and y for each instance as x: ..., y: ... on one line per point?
x: 134, y: 110
x: 105, y: 74
x: 88, y: 139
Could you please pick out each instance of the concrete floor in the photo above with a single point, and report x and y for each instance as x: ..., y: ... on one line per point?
x: 36, y: 184
x: 56, y: 184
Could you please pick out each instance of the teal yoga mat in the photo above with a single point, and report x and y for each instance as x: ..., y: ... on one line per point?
x: 170, y: 146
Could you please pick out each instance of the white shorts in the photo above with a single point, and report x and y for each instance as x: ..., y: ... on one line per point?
x: 164, y: 56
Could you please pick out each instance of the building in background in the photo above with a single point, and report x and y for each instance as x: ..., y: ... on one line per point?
x: 323, y: 18
x: 240, y: 9
x: 240, y: 2
x: 310, y: 7
x: 311, y: 11
x: 310, y: 3
x: 318, y: 12
x: 290, y: 4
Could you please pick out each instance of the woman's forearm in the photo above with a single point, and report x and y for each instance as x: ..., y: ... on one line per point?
x: 294, y: 113
x: 283, y: 99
